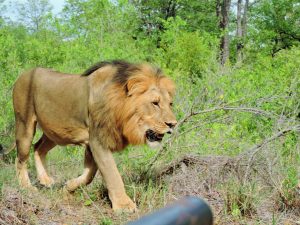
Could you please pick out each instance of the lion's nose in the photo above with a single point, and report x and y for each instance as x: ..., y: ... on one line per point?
x: 171, y: 124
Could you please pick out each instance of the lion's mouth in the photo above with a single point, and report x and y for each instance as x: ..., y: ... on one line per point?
x: 152, y: 136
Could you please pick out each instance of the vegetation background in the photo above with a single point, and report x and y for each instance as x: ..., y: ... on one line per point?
x: 237, y: 68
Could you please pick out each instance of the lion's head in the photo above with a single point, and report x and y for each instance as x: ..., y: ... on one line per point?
x: 140, y: 98
x: 149, y: 101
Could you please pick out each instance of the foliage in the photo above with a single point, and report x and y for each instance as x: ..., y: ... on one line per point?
x: 275, y: 25
x: 214, y: 102
x: 190, y: 53
x: 198, y: 14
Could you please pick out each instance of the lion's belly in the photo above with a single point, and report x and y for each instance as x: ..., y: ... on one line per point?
x: 64, y: 135
x: 62, y: 125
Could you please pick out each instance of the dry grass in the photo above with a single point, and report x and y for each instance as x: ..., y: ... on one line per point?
x: 217, y: 179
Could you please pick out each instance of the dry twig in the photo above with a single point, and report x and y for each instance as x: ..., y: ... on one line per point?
x: 254, y: 150
x: 192, y: 113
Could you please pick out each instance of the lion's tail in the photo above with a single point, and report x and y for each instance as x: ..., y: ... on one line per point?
x: 8, y: 150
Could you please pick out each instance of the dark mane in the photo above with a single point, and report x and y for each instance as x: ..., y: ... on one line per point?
x: 124, y: 69
x: 95, y: 67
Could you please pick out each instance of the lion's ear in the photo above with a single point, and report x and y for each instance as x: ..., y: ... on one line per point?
x: 169, y: 85
x: 137, y: 85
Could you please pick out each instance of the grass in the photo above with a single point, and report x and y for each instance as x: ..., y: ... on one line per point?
x: 89, y: 202
x: 242, y: 202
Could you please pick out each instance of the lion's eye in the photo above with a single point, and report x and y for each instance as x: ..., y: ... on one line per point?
x: 171, y: 104
x: 155, y: 103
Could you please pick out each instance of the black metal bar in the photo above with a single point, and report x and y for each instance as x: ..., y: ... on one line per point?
x: 188, y: 211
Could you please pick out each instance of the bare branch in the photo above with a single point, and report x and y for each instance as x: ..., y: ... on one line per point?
x: 228, y: 108
x: 254, y: 150
x: 175, y: 134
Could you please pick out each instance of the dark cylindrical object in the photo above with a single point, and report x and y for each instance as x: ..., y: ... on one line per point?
x: 188, y: 211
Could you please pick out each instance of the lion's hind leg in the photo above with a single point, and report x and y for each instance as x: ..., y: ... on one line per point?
x: 41, y: 148
x: 24, y: 136
x: 90, y: 169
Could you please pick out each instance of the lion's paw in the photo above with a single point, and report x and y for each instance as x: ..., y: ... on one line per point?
x: 46, y: 181
x: 72, y: 185
x: 124, y: 205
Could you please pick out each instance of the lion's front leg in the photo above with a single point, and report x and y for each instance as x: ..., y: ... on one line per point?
x: 116, y: 191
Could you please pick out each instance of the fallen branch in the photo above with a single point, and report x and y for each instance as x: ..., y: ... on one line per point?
x: 193, y: 159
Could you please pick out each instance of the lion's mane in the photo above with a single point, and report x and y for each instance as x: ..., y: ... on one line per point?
x: 113, y: 107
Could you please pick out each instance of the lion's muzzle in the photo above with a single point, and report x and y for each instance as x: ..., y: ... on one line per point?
x: 152, y: 136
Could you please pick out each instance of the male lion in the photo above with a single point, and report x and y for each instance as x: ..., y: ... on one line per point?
x: 109, y: 106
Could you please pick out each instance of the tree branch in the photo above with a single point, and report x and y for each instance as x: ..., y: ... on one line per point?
x: 174, y: 135
x: 255, y: 149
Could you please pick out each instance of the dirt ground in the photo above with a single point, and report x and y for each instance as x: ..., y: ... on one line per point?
x: 203, y: 177
x: 208, y: 178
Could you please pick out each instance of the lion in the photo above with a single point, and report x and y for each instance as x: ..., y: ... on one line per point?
x: 109, y: 106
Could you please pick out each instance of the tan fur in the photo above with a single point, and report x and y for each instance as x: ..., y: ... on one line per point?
x: 96, y: 111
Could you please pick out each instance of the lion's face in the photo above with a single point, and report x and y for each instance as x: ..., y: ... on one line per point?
x: 151, y: 106
x: 157, y: 117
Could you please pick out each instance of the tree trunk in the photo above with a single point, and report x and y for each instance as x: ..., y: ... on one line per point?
x: 170, y: 9
x: 239, y: 32
x: 218, y: 9
x: 223, y: 13
x: 244, y: 20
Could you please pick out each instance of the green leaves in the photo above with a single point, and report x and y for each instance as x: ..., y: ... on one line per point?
x: 275, y: 25
x: 191, y: 53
